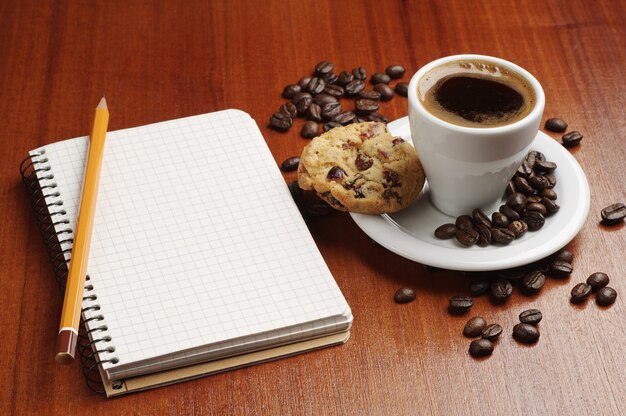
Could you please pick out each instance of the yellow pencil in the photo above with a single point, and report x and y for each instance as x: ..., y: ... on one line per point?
x: 70, y: 317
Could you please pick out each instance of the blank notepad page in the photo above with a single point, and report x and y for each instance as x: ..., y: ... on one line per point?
x: 196, y: 240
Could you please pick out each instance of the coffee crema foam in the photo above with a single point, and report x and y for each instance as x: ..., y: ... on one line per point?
x: 476, y: 94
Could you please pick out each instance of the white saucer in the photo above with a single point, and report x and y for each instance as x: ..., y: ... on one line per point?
x: 409, y: 232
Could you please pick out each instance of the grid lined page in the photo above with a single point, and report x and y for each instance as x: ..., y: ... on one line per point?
x: 197, y: 245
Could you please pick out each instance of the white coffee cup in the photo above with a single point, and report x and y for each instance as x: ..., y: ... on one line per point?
x: 469, y: 167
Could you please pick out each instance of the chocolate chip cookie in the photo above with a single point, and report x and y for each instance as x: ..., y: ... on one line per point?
x: 362, y: 168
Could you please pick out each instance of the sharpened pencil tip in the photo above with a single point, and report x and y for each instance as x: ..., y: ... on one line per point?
x: 102, y: 103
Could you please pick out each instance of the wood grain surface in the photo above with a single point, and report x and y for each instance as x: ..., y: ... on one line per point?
x: 158, y: 60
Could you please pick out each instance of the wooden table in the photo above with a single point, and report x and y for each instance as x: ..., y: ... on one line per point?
x: 160, y: 60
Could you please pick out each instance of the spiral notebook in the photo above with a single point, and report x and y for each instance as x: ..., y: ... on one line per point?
x: 200, y: 259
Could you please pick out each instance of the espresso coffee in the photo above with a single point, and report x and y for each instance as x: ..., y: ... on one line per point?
x: 476, y: 94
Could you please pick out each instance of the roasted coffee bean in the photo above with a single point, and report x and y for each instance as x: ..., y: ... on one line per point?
x: 404, y: 295
x: 613, y: 214
x: 446, y: 231
x: 479, y: 217
x: 531, y: 317
x: 474, y: 327
x: 359, y: 73
x: 314, y: 112
x: 304, y: 82
x: 549, y: 193
x: 525, y: 333
x: 479, y: 287
x: 323, y: 67
x: 606, y: 296
x: 380, y: 78
x: 370, y: 95
x: 510, y: 189
x: 323, y: 99
x: 364, y: 106
x: 302, y: 104
x: 544, y: 166
x: 290, y: 90
x: 580, y: 293
x: 523, y: 186
x: 296, y: 191
x: 534, y: 220
x: 502, y: 235
x: 533, y: 281
x: 281, y: 121
x: 556, y: 125
x: 464, y: 222
x: 344, y: 118
x: 386, y: 92
x: 533, y: 156
x: 402, y: 88
x: 551, y: 177
x: 500, y: 220
x: 460, y: 304
x: 334, y: 90
x: 290, y: 164
x: 491, y: 332
x: 484, y: 235
x: 571, y: 139
x: 330, y: 125
x: 480, y: 348
x: 309, y: 130
x: 517, y: 201
x: 532, y: 199
x: 524, y: 170
x: 319, y: 209
x: 551, y: 206
x: 344, y: 77
x: 500, y: 289
x: 289, y: 108
x: 329, y: 78
x: 354, y: 87
x: 395, y: 71
x: 538, y: 182
x: 518, y: 227
x: 598, y: 280
x: 467, y: 237
x: 315, y: 86
x: 378, y: 118
x: 563, y: 255
x: 560, y: 269
x: 510, y: 213
x: 330, y: 110
x: 537, y: 207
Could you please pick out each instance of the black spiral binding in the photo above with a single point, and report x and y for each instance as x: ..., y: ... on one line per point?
x: 58, y: 237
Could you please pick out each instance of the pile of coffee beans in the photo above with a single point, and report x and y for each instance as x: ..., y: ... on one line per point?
x: 598, y: 283
x: 317, y: 98
x: 530, y: 198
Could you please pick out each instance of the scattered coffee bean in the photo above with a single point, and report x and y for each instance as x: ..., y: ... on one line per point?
x: 289, y: 108
x: 290, y: 164
x: 533, y: 281
x: 500, y: 220
x: 386, y: 92
x: 395, y: 71
x: 467, y: 237
x: 510, y: 213
x: 329, y: 78
x: 484, y: 235
x: 563, y: 255
x: 480, y: 348
x: 571, y: 139
x: 323, y: 99
x: 535, y: 220
x: 344, y: 118
x: 460, y: 304
x: 404, y: 295
x: 539, y: 182
x: 445, y: 231
x: 323, y: 67
x: 303, y: 82
x: 598, y: 280
x: 302, y: 103
x: 402, y: 89
x: 474, y: 327
x: 606, y: 296
x: 556, y: 125
x: 501, y: 289
x: 479, y: 217
x: 334, y: 90
x: 538, y: 207
x: 291, y: 90
x: 370, y: 95
x: 479, y: 287
x: 580, y: 292
x: 330, y: 125
x: 364, y: 106
x: 491, y: 332
x: 354, y: 87
x: 281, y: 121
x: 344, y: 77
x: 517, y: 201
x: 502, y: 235
x: 522, y: 185
x: 315, y: 86
x: 525, y: 333
x: 330, y: 110
x: 464, y: 222
x: 560, y: 269
x: 551, y: 206
x: 531, y: 317
x: 524, y: 170
x: 309, y: 130
x: 296, y: 191
x: 613, y: 214
x: 541, y: 166
x: 549, y: 193
x: 359, y: 73
x: 380, y: 78
x: 314, y: 112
